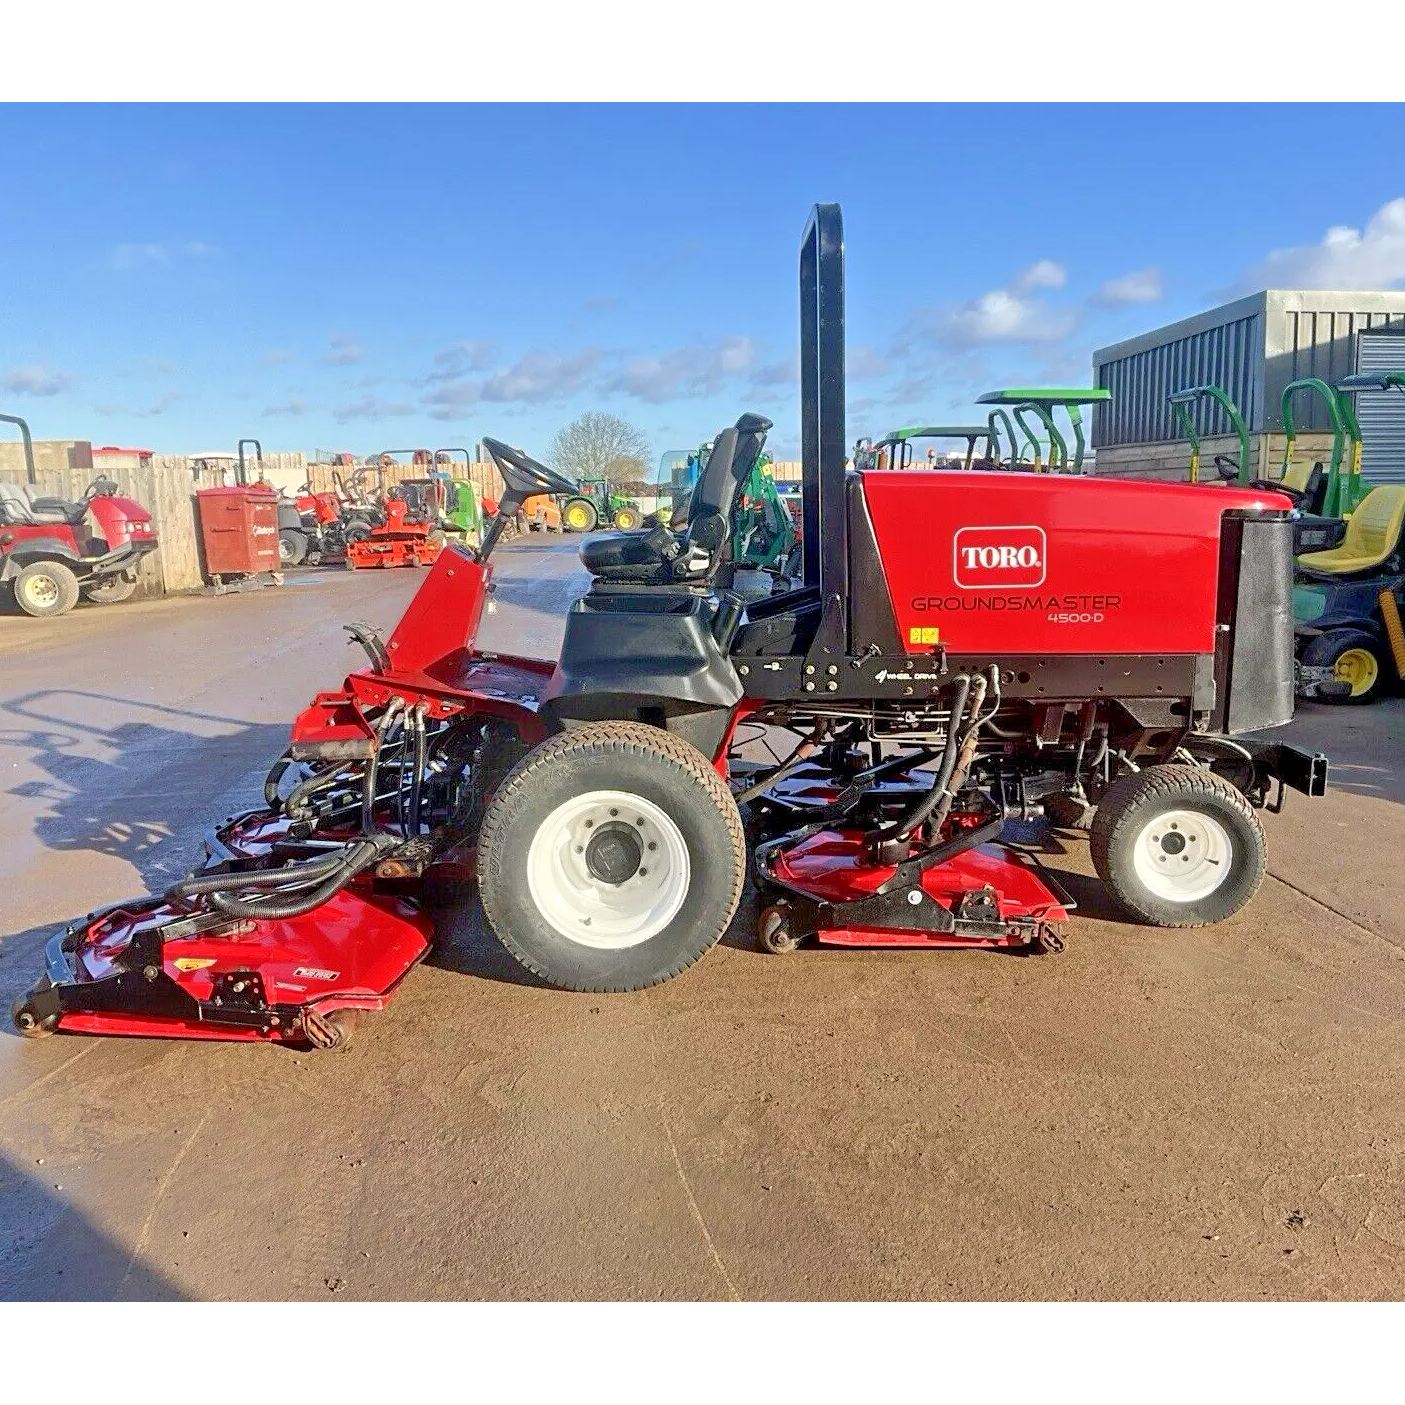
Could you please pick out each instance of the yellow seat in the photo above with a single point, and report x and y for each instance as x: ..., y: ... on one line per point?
x: 1372, y: 534
x: 1297, y: 476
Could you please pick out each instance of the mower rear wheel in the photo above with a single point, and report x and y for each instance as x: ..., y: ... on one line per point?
x: 611, y: 858
x: 1356, y: 658
x: 113, y: 591
x: 1178, y: 846
x: 45, y: 589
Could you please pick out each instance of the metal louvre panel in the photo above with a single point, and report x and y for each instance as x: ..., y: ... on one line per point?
x: 1381, y: 412
x: 1228, y: 355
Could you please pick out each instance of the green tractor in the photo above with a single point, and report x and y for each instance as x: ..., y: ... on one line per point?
x: 596, y: 503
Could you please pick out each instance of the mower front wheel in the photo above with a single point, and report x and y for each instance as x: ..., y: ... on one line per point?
x: 46, y: 588
x: 611, y: 858
x: 1178, y: 846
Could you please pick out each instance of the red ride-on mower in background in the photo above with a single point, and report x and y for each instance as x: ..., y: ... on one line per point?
x: 52, y: 551
x: 962, y: 647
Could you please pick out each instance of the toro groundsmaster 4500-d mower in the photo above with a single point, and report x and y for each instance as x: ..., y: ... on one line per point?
x: 962, y: 646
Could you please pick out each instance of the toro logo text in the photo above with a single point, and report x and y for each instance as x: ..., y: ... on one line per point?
x: 991, y: 557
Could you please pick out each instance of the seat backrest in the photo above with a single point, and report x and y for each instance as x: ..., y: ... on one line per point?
x: 733, y: 453
x: 14, y: 505
x: 1374, y: 528
x: 1297, y: 476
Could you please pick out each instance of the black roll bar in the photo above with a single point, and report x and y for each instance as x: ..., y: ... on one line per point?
x: 243, y: 468
x: 826, y: 559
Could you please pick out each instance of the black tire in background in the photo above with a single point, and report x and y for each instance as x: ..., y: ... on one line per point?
x: 648, y: 769
x: 1350, y: 647
x: 292, y: 547
x: 45, y: 589
x: 626, y: 519
x: 112, y: 591
x: 1159, y: 815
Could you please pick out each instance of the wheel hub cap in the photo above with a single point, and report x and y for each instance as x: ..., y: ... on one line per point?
x: 608, y: 869
x: 1183, y: 855
x: 42, y: 591
x: 613, y: 854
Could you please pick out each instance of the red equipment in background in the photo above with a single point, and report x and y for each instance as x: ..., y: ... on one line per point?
x: 50, y: 553
x: 404, y: 536
x: 239, y: 527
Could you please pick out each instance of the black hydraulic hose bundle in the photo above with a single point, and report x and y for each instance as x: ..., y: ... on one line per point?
x: 963, y: 734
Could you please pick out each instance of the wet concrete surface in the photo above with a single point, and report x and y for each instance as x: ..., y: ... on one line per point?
x: 1204, y: 1114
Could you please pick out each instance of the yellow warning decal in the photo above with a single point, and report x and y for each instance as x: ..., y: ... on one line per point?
x: 193, y: 963
x: 924, y: 634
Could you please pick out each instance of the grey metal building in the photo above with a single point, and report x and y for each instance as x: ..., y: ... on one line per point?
x: 1252, y: 348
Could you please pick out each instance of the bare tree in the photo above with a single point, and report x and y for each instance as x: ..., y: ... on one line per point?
x: 597, y: 445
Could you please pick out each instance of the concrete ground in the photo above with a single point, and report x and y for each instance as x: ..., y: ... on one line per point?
x: 1206, y: 1114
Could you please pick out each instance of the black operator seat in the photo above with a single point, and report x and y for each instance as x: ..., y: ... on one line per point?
x: 660, y: 556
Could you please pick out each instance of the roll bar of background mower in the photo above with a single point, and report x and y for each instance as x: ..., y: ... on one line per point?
x: 1338, y: 501
x: 243, y: 469
x: 1044, y: 400
x: 28, y: 447
x: 1182, y: 401
x: 822, y: 422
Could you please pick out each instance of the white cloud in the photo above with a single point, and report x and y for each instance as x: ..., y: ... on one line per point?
x: 277, y: 357
x: 701, y: 368
x: 370, y: 407
x: 864, y: 363
x: 1004, y: 315
x: 1044, y: 273
x: 37, y: 380
x: 1345, y: 257
x: 127, y: 258
x: 459, y: 359
x: 343, y: 350
x: 293, y: 405
x: 541, y: 376
x: 1141, y: 285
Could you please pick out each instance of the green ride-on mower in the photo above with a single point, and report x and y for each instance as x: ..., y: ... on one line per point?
x: 1042, y: 402
x: 1348, y: 600
x: 894, y: 450
x: 594, y: 502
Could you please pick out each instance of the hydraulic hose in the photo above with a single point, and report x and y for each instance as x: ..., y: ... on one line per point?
x: 924, y: 807
x: 272, y: 780
x: 358, y: 856
x: 421, y: 730
x: 368, y: 793
x: 314, y: 870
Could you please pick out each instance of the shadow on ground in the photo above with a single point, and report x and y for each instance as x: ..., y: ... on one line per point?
x: 50, y: 1252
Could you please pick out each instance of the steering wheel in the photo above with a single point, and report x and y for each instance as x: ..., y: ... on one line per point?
x: 100, y: 487
x: 523, y: 475
x: 1226, y: 467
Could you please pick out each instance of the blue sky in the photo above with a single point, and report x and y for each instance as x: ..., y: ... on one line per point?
x: 366, y: 278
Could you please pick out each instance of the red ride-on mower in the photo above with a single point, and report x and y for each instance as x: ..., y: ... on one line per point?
x: 963, y: 647
x: 52, y: 553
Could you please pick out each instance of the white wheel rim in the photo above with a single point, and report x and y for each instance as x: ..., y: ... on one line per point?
x: 1183, y: 855
x: 598, y: 833
x: 41, y: 591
